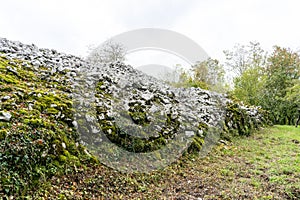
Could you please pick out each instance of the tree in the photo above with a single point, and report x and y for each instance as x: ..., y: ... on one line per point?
x: 208, y: 75
x: 293, y: 93
x: 282, y: 73
x: 210, y: 72
x: 108, y: 52
x: 247, y: 62
x: 293, y: 98
x: 271, y: 82
x: 244, y: 57
x: 249, y: 86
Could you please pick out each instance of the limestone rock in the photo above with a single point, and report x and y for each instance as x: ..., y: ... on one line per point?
x: 5, y: 116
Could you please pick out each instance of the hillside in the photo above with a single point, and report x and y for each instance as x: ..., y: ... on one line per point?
x: 61, y: 117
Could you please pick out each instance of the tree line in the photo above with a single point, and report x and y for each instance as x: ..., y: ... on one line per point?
x: 270, y: 80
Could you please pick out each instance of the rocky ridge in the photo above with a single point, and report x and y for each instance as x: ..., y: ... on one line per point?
x: 68, y: 104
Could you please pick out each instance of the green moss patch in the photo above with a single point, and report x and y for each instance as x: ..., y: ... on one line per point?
x: 39, y: 140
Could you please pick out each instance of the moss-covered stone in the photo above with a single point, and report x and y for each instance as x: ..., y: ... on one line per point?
x: 31, y: 142
x: 238, y: 121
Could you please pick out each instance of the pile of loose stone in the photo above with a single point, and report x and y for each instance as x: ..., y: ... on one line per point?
x: 122, y: 102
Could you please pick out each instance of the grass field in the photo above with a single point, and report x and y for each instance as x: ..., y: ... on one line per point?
x: 265, y: 165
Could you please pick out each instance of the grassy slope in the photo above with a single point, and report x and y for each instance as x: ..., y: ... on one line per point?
x: 265, y: 165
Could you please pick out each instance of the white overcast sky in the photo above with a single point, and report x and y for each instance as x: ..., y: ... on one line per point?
x: 71, y: 25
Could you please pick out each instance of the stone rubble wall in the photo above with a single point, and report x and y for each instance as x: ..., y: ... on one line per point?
x: 121, y: 95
